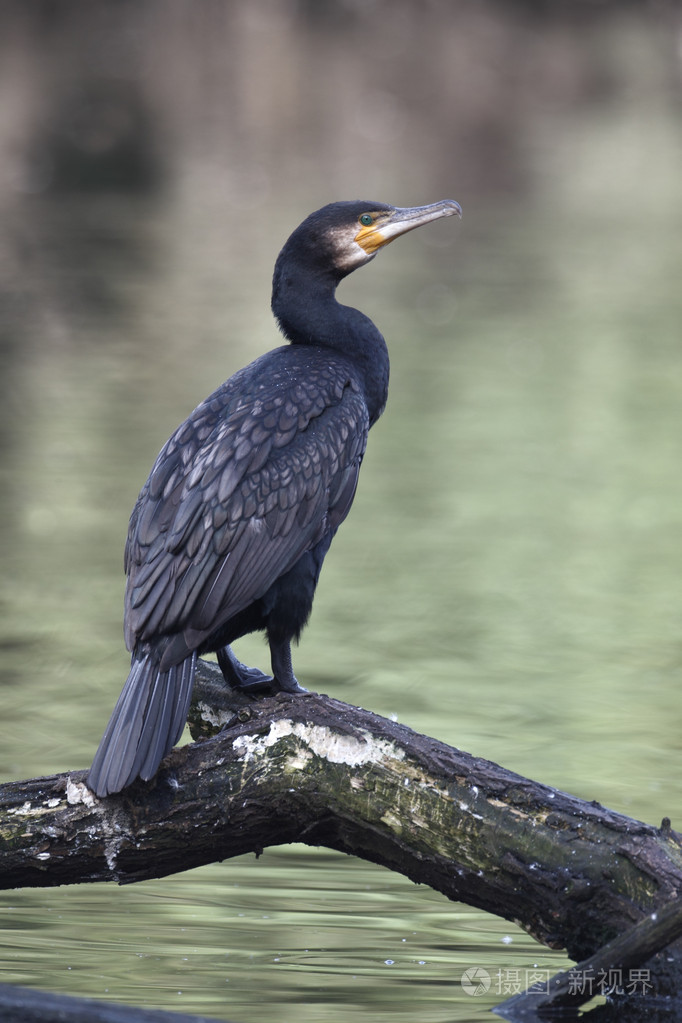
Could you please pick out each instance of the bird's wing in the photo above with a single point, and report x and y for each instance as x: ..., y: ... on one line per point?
x: 252, y: 480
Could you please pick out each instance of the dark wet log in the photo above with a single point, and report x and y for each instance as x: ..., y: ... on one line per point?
x: 613, y: 970
x: 312, y: 769
x: 24, y: 1005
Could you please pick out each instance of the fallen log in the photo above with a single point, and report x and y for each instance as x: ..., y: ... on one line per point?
x: 26, y: 1005
x: 314, y: 770
x: 613, y: 971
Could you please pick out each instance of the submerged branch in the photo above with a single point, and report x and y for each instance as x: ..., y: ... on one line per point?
x: 610, y: 971
x: 24, y: 1005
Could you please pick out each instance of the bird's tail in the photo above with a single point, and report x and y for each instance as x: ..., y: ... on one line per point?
x: 146, y: 723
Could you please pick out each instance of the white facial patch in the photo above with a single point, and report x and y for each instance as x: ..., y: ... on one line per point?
x: 348, y: 254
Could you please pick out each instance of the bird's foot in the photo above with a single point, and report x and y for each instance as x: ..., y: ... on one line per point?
x: 290, y: 685
x: 240, y: 676
x: 284, y: 678
x: 253, y: 681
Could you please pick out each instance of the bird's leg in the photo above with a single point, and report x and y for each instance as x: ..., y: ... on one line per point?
x: 239, y: 676
x: 282, y: 670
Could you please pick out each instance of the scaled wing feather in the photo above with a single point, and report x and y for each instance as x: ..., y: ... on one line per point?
x: 256, y: 467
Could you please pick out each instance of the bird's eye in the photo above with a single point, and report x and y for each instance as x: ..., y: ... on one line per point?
x: 366, y: 219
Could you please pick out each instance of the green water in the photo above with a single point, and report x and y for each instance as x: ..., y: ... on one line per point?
x: 509, y: 579
x: 315, y: 934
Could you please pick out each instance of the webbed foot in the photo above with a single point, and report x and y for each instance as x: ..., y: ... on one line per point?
x: 240, y: 676
x: 284, y: 677
x: 253, y: 681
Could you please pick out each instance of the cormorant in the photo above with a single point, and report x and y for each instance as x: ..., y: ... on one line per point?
x: 230, y: 530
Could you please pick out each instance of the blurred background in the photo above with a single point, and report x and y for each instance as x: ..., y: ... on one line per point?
x: 510, y: 577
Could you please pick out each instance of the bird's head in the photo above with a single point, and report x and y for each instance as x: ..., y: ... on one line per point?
x: 339, y: 238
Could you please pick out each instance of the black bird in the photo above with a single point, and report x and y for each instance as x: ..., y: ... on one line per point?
x: 230, y: 530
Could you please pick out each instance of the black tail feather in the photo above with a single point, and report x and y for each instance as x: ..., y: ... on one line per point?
x: 146, y: 723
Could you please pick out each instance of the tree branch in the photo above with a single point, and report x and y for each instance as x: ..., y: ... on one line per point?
x: 312, y: 769
x: 605, y: 972
x: 24, y: 1005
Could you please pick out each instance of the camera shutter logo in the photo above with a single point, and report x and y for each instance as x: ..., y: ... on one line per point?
x: 475, y: 980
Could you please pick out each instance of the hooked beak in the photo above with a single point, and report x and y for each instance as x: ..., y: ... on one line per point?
x: 397, y: 221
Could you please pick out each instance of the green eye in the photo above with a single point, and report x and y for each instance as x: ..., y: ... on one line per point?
x: 366, y: 219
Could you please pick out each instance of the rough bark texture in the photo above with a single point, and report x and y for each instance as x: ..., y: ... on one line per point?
x: 610, y: 966
x: 311, y: 769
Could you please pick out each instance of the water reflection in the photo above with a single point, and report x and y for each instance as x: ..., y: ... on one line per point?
x: 509, y: 578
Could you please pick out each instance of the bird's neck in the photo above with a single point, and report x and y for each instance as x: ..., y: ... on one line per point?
x: 308, y: 313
